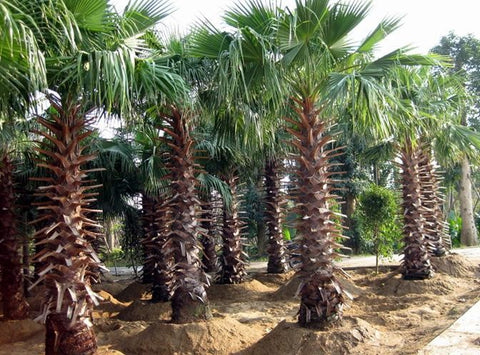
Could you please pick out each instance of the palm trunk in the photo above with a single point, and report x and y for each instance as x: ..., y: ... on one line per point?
x: 69, y: 261
x: 149, y: 234
x: 209, y: 258
x: 468, y: 235
x: 435, y: 225
x: 162, y: 256
x: 14, y: 304
x: 232, y: 261
x: 348, y: 210
x: 322, y: 297
x: 274, y: 201
x: 189, y: 299
x: 376, y: 245
x: 416, y: 261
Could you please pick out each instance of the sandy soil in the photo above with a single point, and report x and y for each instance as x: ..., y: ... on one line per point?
x: 387, y: 316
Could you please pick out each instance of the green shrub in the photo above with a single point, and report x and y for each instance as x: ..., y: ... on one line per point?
x: 454, y: 228
x: 378, y: 221
x: 116, y: 256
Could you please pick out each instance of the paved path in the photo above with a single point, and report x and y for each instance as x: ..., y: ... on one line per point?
x: 462, y: 338
x: 471, y: 253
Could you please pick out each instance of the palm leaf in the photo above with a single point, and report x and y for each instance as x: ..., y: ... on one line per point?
x: 384, y: 28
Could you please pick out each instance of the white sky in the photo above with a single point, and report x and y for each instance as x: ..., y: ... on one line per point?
x: 424, y: 21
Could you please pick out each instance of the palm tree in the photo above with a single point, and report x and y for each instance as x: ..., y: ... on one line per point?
x: 465, y: 55
x: 158, y: 261
x: 274, y: 204
x: 425, y: 98
x: 305, y: 55
x: 96, y: 58
x: 416, y: 261
x: 325, y: 72
x: 22, y: 71
x: 189, y: 299
x: 14, y: 303
x: 431, y: 197
x: 245, y: 113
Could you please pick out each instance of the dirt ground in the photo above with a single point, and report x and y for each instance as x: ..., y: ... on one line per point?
x: 387, y: 316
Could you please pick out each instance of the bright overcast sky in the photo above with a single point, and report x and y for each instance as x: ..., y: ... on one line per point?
x: 424, y: 21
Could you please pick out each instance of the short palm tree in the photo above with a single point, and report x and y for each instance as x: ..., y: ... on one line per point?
x: 426, y: 101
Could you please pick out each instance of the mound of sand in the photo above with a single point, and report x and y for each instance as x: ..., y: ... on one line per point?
x: 145, y: 311
x: 135, y: 291
x: 440, y: 284
x: 290, y: 338
x: 217, y: 336
x: 251, y: 289
x: 454, y: 265
x: 19, y: 330
x: 273, y: 280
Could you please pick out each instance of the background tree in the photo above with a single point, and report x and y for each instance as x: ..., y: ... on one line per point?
x: 465, y: 53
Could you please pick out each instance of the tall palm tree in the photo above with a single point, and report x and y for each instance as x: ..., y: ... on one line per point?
x: 245, y: 109
x: 96, y: 58
x: 189, y: 299
x: 13, y: 299
x: 304, y: 55
x: 465, y: 55
x: 325, y: 72
x: 22, y: 71
x: 431, y: 198
x: 274, y: 216
x: 158, y: 261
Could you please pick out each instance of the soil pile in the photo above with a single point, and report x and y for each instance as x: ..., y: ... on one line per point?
x: 146, y: 311
x: 217, y: 336
x: 248, y: 290
x: 455, y: 265
x: 135, y: 291
x: 290, y: 338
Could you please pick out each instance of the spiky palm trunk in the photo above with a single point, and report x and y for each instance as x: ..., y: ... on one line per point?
x: 232, y: 261
x: 416, y: 261
x: 322, y: 297
x: 149, y: 234
x: 162, y: 256
x: 209, y: 258
x: 189, y: 299
x: 14, y: 304
x: 70, y: 263
x: 435, y: 224
x: 274, y: 202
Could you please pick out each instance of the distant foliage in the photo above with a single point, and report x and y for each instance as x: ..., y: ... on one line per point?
x: 455, y: 228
